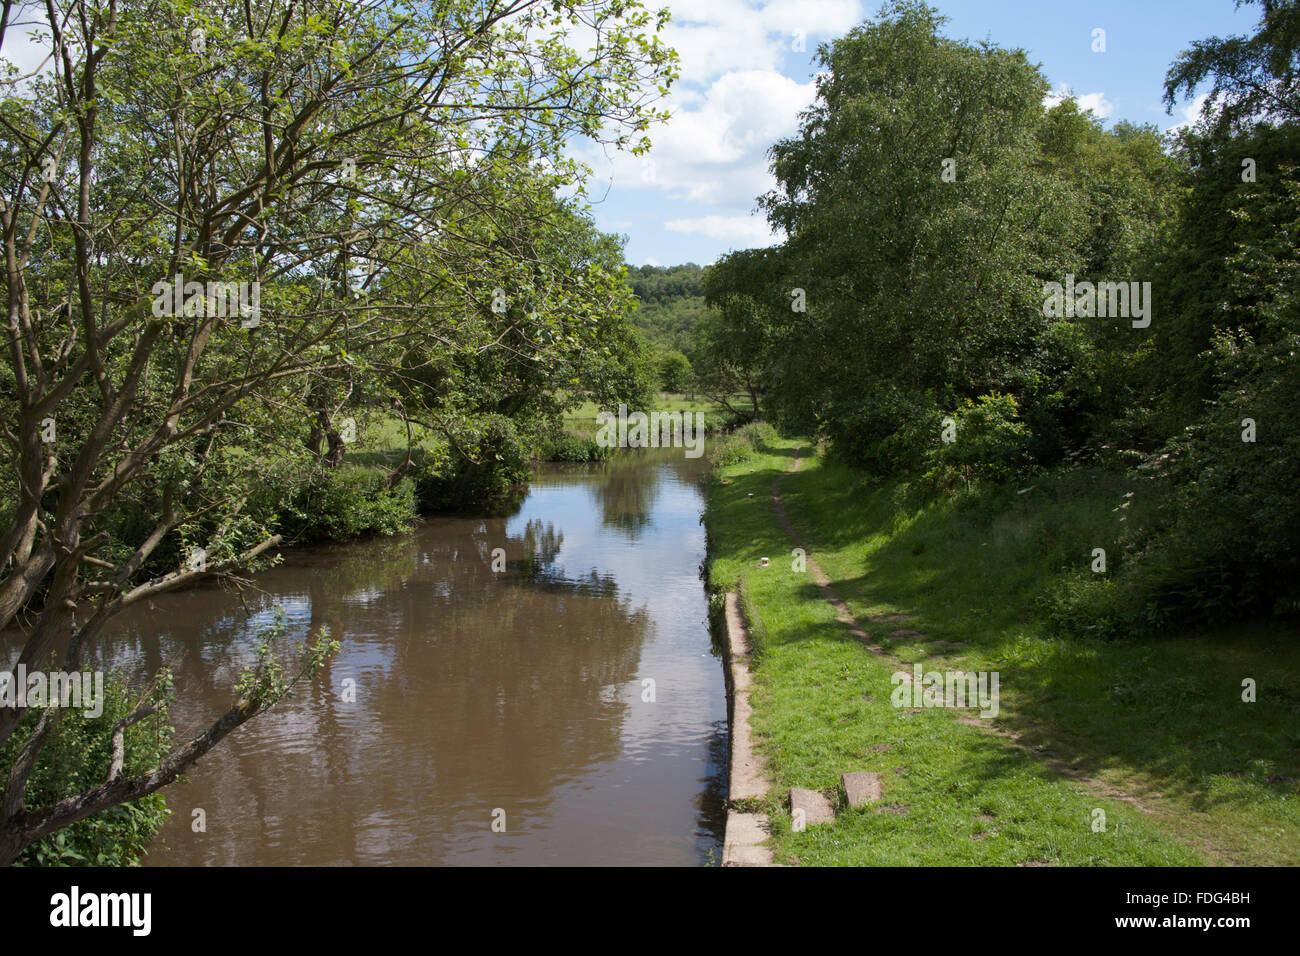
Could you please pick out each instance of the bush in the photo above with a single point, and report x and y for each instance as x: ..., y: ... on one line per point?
x: 738, y: 446
x: 886, y: 433
x: 343, y: 503
x: 991, y: 445
x: 76, y: 759
x: 556, y: 444
x: 1087, y: 604
x: 573, y: 448
x: 494, y: 461
x: 1226, y: 543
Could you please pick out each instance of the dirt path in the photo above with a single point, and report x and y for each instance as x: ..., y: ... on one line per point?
x: 820, y: 578
x: 1010, y: 738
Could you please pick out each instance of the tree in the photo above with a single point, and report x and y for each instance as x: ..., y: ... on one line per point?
x: 675, y: 372
x: 1254, y: 79
x: 556, y: 333
x: 738, y: 344
x: 1222, y: 542
x: 921, y: 228
x: 297, y: 167
x: 1246, y: 143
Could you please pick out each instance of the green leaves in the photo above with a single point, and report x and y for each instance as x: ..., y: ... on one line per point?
x: 266, y: 682
x: 922, y: 277
x: 1253, y: 78
x: 77, y: 759
x: 927, y: 198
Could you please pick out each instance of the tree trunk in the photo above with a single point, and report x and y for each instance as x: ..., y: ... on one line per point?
x: 337, y: 447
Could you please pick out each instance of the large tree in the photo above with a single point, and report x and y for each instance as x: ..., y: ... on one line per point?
x: 1252, y: 79
x: 919, y: 231
x: 751, y: 321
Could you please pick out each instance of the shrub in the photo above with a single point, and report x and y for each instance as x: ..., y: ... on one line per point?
x: 738, y: 446
x: 75, y: 759
x: 573, y: 448
x: 343, y: 503
x: 886, y: 432
x: 556, y: 444
x: 1226, y: 543
x: 1087, y: 604
x: 991, y: 445
x: 493, y: 461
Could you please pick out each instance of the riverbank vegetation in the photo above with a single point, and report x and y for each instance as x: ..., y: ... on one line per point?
x: 1152, y: 731
x: 303, y: 272
x: 1018, y: 292
x: 1045, y: 459
x: 978, y: 289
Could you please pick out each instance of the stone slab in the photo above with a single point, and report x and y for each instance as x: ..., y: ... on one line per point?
x: 861, y: 788
x: 816, y: 808
x: 742, y: 844
x: 745, y: 829
x: 747, y: 856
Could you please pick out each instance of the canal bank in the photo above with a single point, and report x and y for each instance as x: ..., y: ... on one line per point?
x: 747, y: 828
x: 1061, y: 776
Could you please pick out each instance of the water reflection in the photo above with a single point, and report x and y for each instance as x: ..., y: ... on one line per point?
x: 626, y: 497
x: 459, y: 691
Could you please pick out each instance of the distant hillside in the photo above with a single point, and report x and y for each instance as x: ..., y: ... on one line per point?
x: 671, y: 302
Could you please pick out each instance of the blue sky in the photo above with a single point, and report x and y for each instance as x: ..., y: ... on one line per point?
x: 743, y: 85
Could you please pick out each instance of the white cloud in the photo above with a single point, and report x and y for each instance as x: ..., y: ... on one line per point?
x: 739, y: 92
x: 750, y: 230
x: 714, y: 151
x: 714, y: 37
x: 1096, y: 103
x: 1191, y: 113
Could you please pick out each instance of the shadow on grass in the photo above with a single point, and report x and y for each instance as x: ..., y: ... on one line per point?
x: 1169, y: 711
x: 785, y: 452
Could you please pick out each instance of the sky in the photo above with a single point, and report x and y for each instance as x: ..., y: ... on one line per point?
x: 746, y: 74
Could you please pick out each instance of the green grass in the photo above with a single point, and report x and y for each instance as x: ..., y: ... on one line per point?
x: 1161, y: 721
x: 381, y: 439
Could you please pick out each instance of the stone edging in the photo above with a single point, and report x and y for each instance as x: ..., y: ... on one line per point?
x: 746, y: 833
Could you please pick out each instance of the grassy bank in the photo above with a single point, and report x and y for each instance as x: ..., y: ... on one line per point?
x: 356, y: 498
x: 1154, y: 733
x: 582, y: 419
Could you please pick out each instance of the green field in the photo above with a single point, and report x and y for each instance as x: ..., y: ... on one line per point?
x: 380, y: 437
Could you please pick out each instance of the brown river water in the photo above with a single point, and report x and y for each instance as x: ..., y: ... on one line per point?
x: 516, y: 696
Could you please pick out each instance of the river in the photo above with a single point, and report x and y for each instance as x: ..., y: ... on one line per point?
x: 572, y: 699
